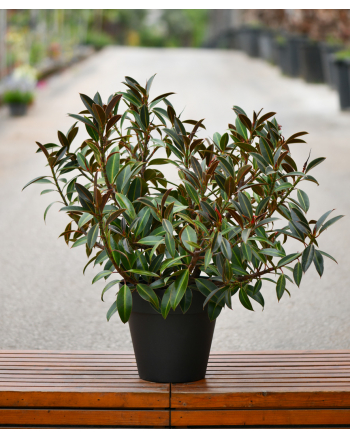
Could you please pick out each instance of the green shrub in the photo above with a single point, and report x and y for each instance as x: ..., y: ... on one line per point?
x: 17, y: 96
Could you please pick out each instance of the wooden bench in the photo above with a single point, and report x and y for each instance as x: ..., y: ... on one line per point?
x: 280, y: 388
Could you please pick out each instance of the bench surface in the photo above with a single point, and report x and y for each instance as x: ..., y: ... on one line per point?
x: 283, y: 388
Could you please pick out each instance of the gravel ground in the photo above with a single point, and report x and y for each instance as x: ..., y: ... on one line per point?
x: 46, y: 302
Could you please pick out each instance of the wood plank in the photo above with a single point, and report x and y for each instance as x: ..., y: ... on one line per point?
x: 66, y: 417
x: 263, y: 417
x: 248, y: 398
x: 91, y: 398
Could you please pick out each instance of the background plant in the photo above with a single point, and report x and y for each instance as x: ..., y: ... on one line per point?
x: 214, y: 232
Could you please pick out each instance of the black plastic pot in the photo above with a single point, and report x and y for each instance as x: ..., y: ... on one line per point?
x: 266, y: 46
x: 249, y: 41
x: 175, y: 349
x: 327, y: 51
x: 311, y: 62
x: 342, y: 73
x: 18, y: 109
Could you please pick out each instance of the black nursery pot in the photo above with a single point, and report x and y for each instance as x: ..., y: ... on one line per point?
x: 327, y: 51
x: 249, y: 41
x: 175, y: 349
x: 18, y: 109
x: 342, y: 72
x: 311, y: 62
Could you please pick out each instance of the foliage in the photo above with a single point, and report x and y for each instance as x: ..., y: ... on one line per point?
x: 214, y: 232
x: 17, y: 96
x: 98, y: 39
x: 342, y: 55
x: 19, y: 87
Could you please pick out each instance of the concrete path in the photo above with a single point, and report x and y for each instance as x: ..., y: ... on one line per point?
x: 47, y: 303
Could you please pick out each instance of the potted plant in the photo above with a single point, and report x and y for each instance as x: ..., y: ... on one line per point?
x: 341, y: 62
x: 311, y: 65
x: 328, y: 48
x: 19, y: 90
x: 181, y: 252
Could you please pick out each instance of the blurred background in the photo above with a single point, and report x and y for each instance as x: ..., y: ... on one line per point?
x: 293, y: 62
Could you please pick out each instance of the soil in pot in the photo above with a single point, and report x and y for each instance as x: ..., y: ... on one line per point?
x: 342, y: 73
x: 175, y: 349
x: 311, y: 62
x: 18, y: 109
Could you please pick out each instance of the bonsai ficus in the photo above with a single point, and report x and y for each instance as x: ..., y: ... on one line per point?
x: 215, y: 232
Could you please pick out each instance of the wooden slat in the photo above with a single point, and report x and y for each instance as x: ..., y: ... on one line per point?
x: 261, y: 417
x: 82, y: 417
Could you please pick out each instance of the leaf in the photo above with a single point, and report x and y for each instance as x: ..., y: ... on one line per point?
x: 180, y: 287
x: 40, y: 180
x: 79, y: 242
x: 281, y: 286
x: 92, y: 236
x: 166, y: 303
x: 141, y: 272
x: 226, y: 249
x: 287, y: 259
x: 314, y: 163
x: 262, y: 205
x: 189, y: 235
x: 82, y: 161
x: 329, y: 256
x: 297, y: 273
x: 322, y: 219
x: 207, y: 258
x: 170, y: 262
x: 48, y: 208
x: 272, y: 252
x: 100, y: 275
x: 124, y: 303
x: 114, y: 215
x: 112, y: 310
x: 318, y: 262
x: 266, y: 151
x: 246, y: 147
x: 124, y: 202
x: 205, y: 286
x: 243, y: 298
x: 307, y: 257
x: 330, y: 222
x: 245, y: 205
x: 148, y: 294
x: 245, y: 234
x: 108, y: 286
x: 242, y: 171
x: 214, y: 310
x: 192, y: 192
x: 283, y: 186
x: 170, y: 244
x: 150, y: 240
x: 167, y: 226
x: 113, y: 163
x: 186, y: 301
x: 304, y: 200
x: 84, y: 219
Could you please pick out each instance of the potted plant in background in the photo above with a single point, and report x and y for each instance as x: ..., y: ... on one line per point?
x: 19, y: 90
x: 311, y: 64
x: 328, y: 48
x: 341, y: 62
x: 182, y: 251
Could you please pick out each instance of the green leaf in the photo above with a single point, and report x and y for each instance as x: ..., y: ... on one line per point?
x: 108, y: 286
x: 287, y: 259
x: 297, y: 273
x: 79, y: 242
x: 166, y: 303
x: 112, y: 310
x: 205, y: 286
x: 207, y: 258
x: 329, y: 256
x: 141, y: 272
x: 318, y: 262
x: 186, y: 301
x: 167, y: 226
x: 256, y: 296
x: 92, y: 236
x: 283, y: 186
x: 148, y: 294
x: 38, y: 180
x: 245, y: 205
x: 304, y: 200
x: 322, y: 219
x: 330, y: 222
x: 83, y: 162
x: 124, y: 202
x: 226, y: 249
x: 245, y: 301
x: 272, y: 252
x: 112, y: 166
x: 189, y: 235
x: 214, y: 310
x: 247, y: 253
x: 72, y: 208
x: 84, y: 120
x: 180, y: 287
x: 307, y: 257
x: 171, y: 262
x: 170, y: 244
x: 84, y: 219
x: 262, y: 205
x: 192, y: 192
x: 151, y: 240
x: 314, y: 163
x: 124, y: 303
x: 100, y: 275
x: 48, y: 208
x: 266, y: 151
x: 281, y: 286
x: 245, y: 234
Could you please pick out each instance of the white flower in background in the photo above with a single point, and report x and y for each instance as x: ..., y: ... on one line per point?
x: 23, y: 78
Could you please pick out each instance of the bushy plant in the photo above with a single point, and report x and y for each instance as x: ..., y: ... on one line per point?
x: 214, y: 232
x: 20, y: 85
